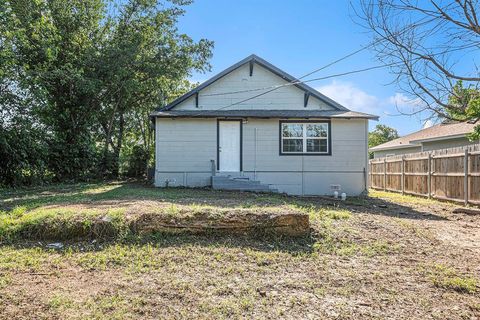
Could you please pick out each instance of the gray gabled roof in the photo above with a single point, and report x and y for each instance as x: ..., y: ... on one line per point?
x: 256, y: 59
x: 442, y: 131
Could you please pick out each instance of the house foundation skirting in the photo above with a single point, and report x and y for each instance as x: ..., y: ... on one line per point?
x: 290, y: 182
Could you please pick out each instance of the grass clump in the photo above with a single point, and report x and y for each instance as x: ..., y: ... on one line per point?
x: 346, y: 247
x: 5, y: 280
x: 447, y: 278
x: 61, y: 224
x: 323, y: 214
x: 60, y: 301
x: 18, y: 259
x: 403, y: 199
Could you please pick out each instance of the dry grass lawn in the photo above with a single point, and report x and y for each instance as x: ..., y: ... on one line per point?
x: 385, y: 256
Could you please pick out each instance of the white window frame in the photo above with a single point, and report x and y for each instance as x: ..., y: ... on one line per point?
x: 304, y: 138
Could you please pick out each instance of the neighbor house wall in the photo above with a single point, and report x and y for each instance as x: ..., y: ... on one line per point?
x: 185, y: 148
x: 443, y: 144
x: 427, y: 146
x: 395, y: 152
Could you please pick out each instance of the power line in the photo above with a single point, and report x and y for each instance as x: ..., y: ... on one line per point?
x: 338, y: 60
x: 298, y: 81
x: 413, y: 25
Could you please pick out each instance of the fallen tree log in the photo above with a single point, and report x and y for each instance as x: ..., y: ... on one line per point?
x: 469, y: 211
x: 163, y: 219
x: 236, y: 221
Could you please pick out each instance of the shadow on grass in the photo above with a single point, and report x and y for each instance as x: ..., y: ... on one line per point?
x: 399, y: 210
x: 44, y: 195
x: 264, y: 243
x: 96, y: 195
x: 92, y: 195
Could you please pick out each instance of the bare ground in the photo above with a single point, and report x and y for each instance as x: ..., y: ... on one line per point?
x: 394, y: 258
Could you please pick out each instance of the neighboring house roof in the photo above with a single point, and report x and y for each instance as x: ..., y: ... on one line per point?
x: 263, y: 114
x: 255, y: 59
x: 443, y: 131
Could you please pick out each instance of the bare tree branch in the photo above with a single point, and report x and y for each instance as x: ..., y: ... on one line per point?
x: 432, y: 47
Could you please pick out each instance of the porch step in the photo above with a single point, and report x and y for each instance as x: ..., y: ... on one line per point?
x: 223, y: 182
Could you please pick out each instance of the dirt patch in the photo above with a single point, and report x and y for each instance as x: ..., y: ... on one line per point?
x: 383, y: 257
x: 432, y: 218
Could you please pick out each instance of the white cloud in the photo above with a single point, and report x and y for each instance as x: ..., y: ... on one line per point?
x: 401, y: 101
x: 356, y: 99
x: 351, y: 97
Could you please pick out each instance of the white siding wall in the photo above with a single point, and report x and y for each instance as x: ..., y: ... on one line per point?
x: 284, y: 98
x: 183, y: 150
x: 185, y: 147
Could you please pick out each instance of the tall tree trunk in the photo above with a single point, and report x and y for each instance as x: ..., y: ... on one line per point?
x: 118, y: 147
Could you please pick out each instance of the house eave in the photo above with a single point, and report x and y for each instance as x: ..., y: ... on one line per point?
x: 403, y: 146
x: 264, y: 114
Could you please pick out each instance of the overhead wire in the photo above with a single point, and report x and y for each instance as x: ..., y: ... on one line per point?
x: 418, y: 23
x: 299, y: 81
x: 294, y: 83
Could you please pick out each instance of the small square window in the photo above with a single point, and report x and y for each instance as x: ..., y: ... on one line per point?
x: 317, y: 130
x: 292, y: 130
x: 292, y: 145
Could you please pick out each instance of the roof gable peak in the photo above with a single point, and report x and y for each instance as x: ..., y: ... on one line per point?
x: 265, y: 64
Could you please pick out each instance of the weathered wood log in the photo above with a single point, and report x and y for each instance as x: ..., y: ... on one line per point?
x: 469, y: 211
x: 235, y: 221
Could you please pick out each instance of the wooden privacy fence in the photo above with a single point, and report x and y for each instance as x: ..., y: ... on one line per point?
x: 448, y: 174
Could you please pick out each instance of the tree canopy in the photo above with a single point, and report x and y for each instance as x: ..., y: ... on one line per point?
x: 80, y: 78
x: 379, y: 135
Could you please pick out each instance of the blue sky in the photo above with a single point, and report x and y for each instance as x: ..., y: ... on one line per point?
x: 298, y: 37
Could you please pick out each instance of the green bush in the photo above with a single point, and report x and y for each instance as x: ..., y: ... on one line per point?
x: 137, y: 160
x: 23, y: 155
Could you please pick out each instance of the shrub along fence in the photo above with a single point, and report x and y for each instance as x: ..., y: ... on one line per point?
x: 449, y: 174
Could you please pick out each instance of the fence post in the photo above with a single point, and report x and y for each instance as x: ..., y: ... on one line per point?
x: 370, y: 175
x: 465, y: 181
x: 429, y: 177
x: 384, y: 174
x: 403, y: 175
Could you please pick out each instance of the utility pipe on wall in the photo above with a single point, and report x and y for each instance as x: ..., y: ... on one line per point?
x: 255, y: 154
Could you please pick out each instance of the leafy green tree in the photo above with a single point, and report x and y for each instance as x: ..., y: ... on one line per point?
x: 464, y: 105
x: 144, y: 61
x: 86, y: 73
x: 381, y: 134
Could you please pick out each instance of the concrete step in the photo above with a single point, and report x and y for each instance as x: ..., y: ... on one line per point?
x: 243, y: 183
x: 226, y: 182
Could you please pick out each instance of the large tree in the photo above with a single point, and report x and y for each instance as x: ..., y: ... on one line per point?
x: 94, y: 70
x: 432, y: 48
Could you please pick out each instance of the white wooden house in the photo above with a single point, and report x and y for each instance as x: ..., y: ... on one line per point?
x: 255, y: 127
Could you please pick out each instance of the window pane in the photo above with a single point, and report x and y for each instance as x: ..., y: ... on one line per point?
x: 292, y: 130
x: 317, y: 130
x: 317, y: 145
x: 292, y: 145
